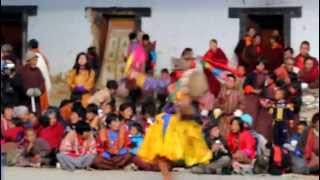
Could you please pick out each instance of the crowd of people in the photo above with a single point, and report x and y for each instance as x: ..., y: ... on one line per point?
x: 213, y: 119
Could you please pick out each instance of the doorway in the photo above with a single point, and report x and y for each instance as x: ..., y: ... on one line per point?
x: 266, y: 18
x: 110, y: 27
x: 11, y: 32
x: 266, y: 24
x: 14, y: 27
x: 116, y: 43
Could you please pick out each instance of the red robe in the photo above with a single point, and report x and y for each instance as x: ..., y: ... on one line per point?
x: 217, y: 57
x: 53, y: 135
x: 300, y: 62
x: 275, y: 57
x: 244, y: 142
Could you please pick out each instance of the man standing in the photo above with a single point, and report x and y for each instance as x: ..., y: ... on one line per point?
x: 32, y: 79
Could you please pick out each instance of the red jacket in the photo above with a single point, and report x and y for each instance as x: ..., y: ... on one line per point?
x: 53, y: 135
x: 244, y: 142
x: 312, y: 146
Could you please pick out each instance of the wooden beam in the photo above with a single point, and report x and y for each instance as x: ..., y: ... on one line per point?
x: 29, y: 10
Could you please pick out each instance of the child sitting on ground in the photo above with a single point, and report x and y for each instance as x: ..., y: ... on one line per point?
x: 136, y: 137
x: 113, y: 145
x: 35, y: 151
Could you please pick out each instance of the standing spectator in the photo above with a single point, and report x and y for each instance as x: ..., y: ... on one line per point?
x: 253, y: 86
x: 244, y: 42
x: 32, y: 79
x: 282, y: 113
x: 43, y: 65
x: 8, y: 54
x: 94, y: 60
x: 11, y: 85
x: 274, y: 55
x: 81, y: 78
x: 150, y: 48
x: 252, y: 53
x: 78, y: 148
x: 214, y: 55
x: 229, y: 100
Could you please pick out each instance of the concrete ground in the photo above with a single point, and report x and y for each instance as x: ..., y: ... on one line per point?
x: 57, y: 174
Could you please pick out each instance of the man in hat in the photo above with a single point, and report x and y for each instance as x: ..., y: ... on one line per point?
x: 7, y: 54
x: 32, y: 79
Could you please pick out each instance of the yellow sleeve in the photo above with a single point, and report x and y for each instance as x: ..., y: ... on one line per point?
x: 71, y: 79
x: 90, y: 83
x: 140, y: 79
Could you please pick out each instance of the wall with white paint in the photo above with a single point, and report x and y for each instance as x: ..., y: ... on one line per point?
x: 63, y: 28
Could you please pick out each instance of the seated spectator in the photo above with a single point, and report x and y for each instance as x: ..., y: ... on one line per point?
x: 241, y: 142
x: 106, y: 108
x: 312, y: 148
x: 67, y: 105
x: 6, y: 118
x: 78, y: 148
x: 148, y: 113
x: 106, y: 94
x: 15, y: 132
x: 310, y: 74
x: 52, y: 130
x: 285, y: 69
x: 35, y: 123
x: 92, y: 118
x: 78, y: 114
x: 296, y: 147
x: 126, y: 113
x: 35, y: 151
x: 136, y: 138
x: 221, y: 155
x: 22, y: 112
x: 113, y: 146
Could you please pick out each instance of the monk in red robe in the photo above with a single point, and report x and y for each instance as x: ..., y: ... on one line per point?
x: 274, y: 55
x: 310, y: 74
x: 252, y: 53
x: 304, y: 53
x: 214, y: 55
x: 244, y: 42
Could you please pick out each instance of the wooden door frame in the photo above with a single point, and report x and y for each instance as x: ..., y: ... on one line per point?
x: 138, y: 13
x: 286, y: 12
x: 24, y: 12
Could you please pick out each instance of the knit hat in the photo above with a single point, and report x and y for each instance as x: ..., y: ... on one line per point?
x: 6, y: 48
x: 20, y: 110
x: 31, y: 55
x: 246, y: 118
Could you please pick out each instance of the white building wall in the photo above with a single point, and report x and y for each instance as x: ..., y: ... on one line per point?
x: 63, y: 29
